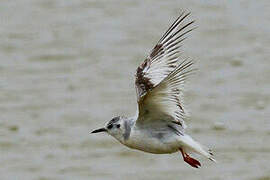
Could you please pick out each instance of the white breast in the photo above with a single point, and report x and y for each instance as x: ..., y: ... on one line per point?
x: 156, y: 142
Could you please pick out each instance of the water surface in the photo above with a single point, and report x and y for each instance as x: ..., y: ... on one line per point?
x: 67, y: 67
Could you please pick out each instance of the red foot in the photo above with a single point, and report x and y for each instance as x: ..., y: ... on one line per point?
x: 191, y: 161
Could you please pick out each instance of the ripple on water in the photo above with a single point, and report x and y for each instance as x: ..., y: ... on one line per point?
x: 263, y: 178
x: 236, y: 63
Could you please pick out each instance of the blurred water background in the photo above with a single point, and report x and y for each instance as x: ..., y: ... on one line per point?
x: 67, y: 67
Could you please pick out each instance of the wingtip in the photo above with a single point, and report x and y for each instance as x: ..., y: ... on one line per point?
x: 211, y: 156
x: 212, y: 159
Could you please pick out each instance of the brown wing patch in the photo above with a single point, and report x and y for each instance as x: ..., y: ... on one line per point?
x: 163, y: 58
x: 143, y: 83
x: 157, y: 49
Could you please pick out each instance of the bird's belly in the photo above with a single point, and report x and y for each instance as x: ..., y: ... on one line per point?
x: 153, y: 145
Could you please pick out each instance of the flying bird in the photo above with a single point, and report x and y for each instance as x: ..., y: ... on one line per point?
x: 159, y: 124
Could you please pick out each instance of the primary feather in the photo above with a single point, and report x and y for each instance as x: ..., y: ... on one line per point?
x: 160, y: 78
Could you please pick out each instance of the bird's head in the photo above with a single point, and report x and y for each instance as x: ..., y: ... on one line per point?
x: 114, y: 127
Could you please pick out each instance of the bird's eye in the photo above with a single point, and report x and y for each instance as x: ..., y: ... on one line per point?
x: 118, y: 125
x: 110, y: 126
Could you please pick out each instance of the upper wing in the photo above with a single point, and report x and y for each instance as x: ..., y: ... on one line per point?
x: 165, y: 100
x: 160, y: 77
x: 163, y: 58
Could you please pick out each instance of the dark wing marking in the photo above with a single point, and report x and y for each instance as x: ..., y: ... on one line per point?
x: 163, y: 58
x: 166, y: 98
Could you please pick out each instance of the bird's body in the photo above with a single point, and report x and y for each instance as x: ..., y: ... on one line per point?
x: 159, y: 124
x: 157, y: 139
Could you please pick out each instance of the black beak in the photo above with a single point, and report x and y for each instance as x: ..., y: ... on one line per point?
x: 99, y: 130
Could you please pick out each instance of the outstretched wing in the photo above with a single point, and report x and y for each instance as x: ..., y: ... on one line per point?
x: 165, y: 100
x: 160, y: 78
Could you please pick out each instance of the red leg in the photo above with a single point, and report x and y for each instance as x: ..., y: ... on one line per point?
x: 193, y: 162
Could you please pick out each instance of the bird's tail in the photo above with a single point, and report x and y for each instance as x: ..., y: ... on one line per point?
x: 190, y: 145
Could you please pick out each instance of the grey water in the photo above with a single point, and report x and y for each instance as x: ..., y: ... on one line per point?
x: 67, y: 67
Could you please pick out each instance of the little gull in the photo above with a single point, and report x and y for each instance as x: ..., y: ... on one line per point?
x: 158, y: 126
